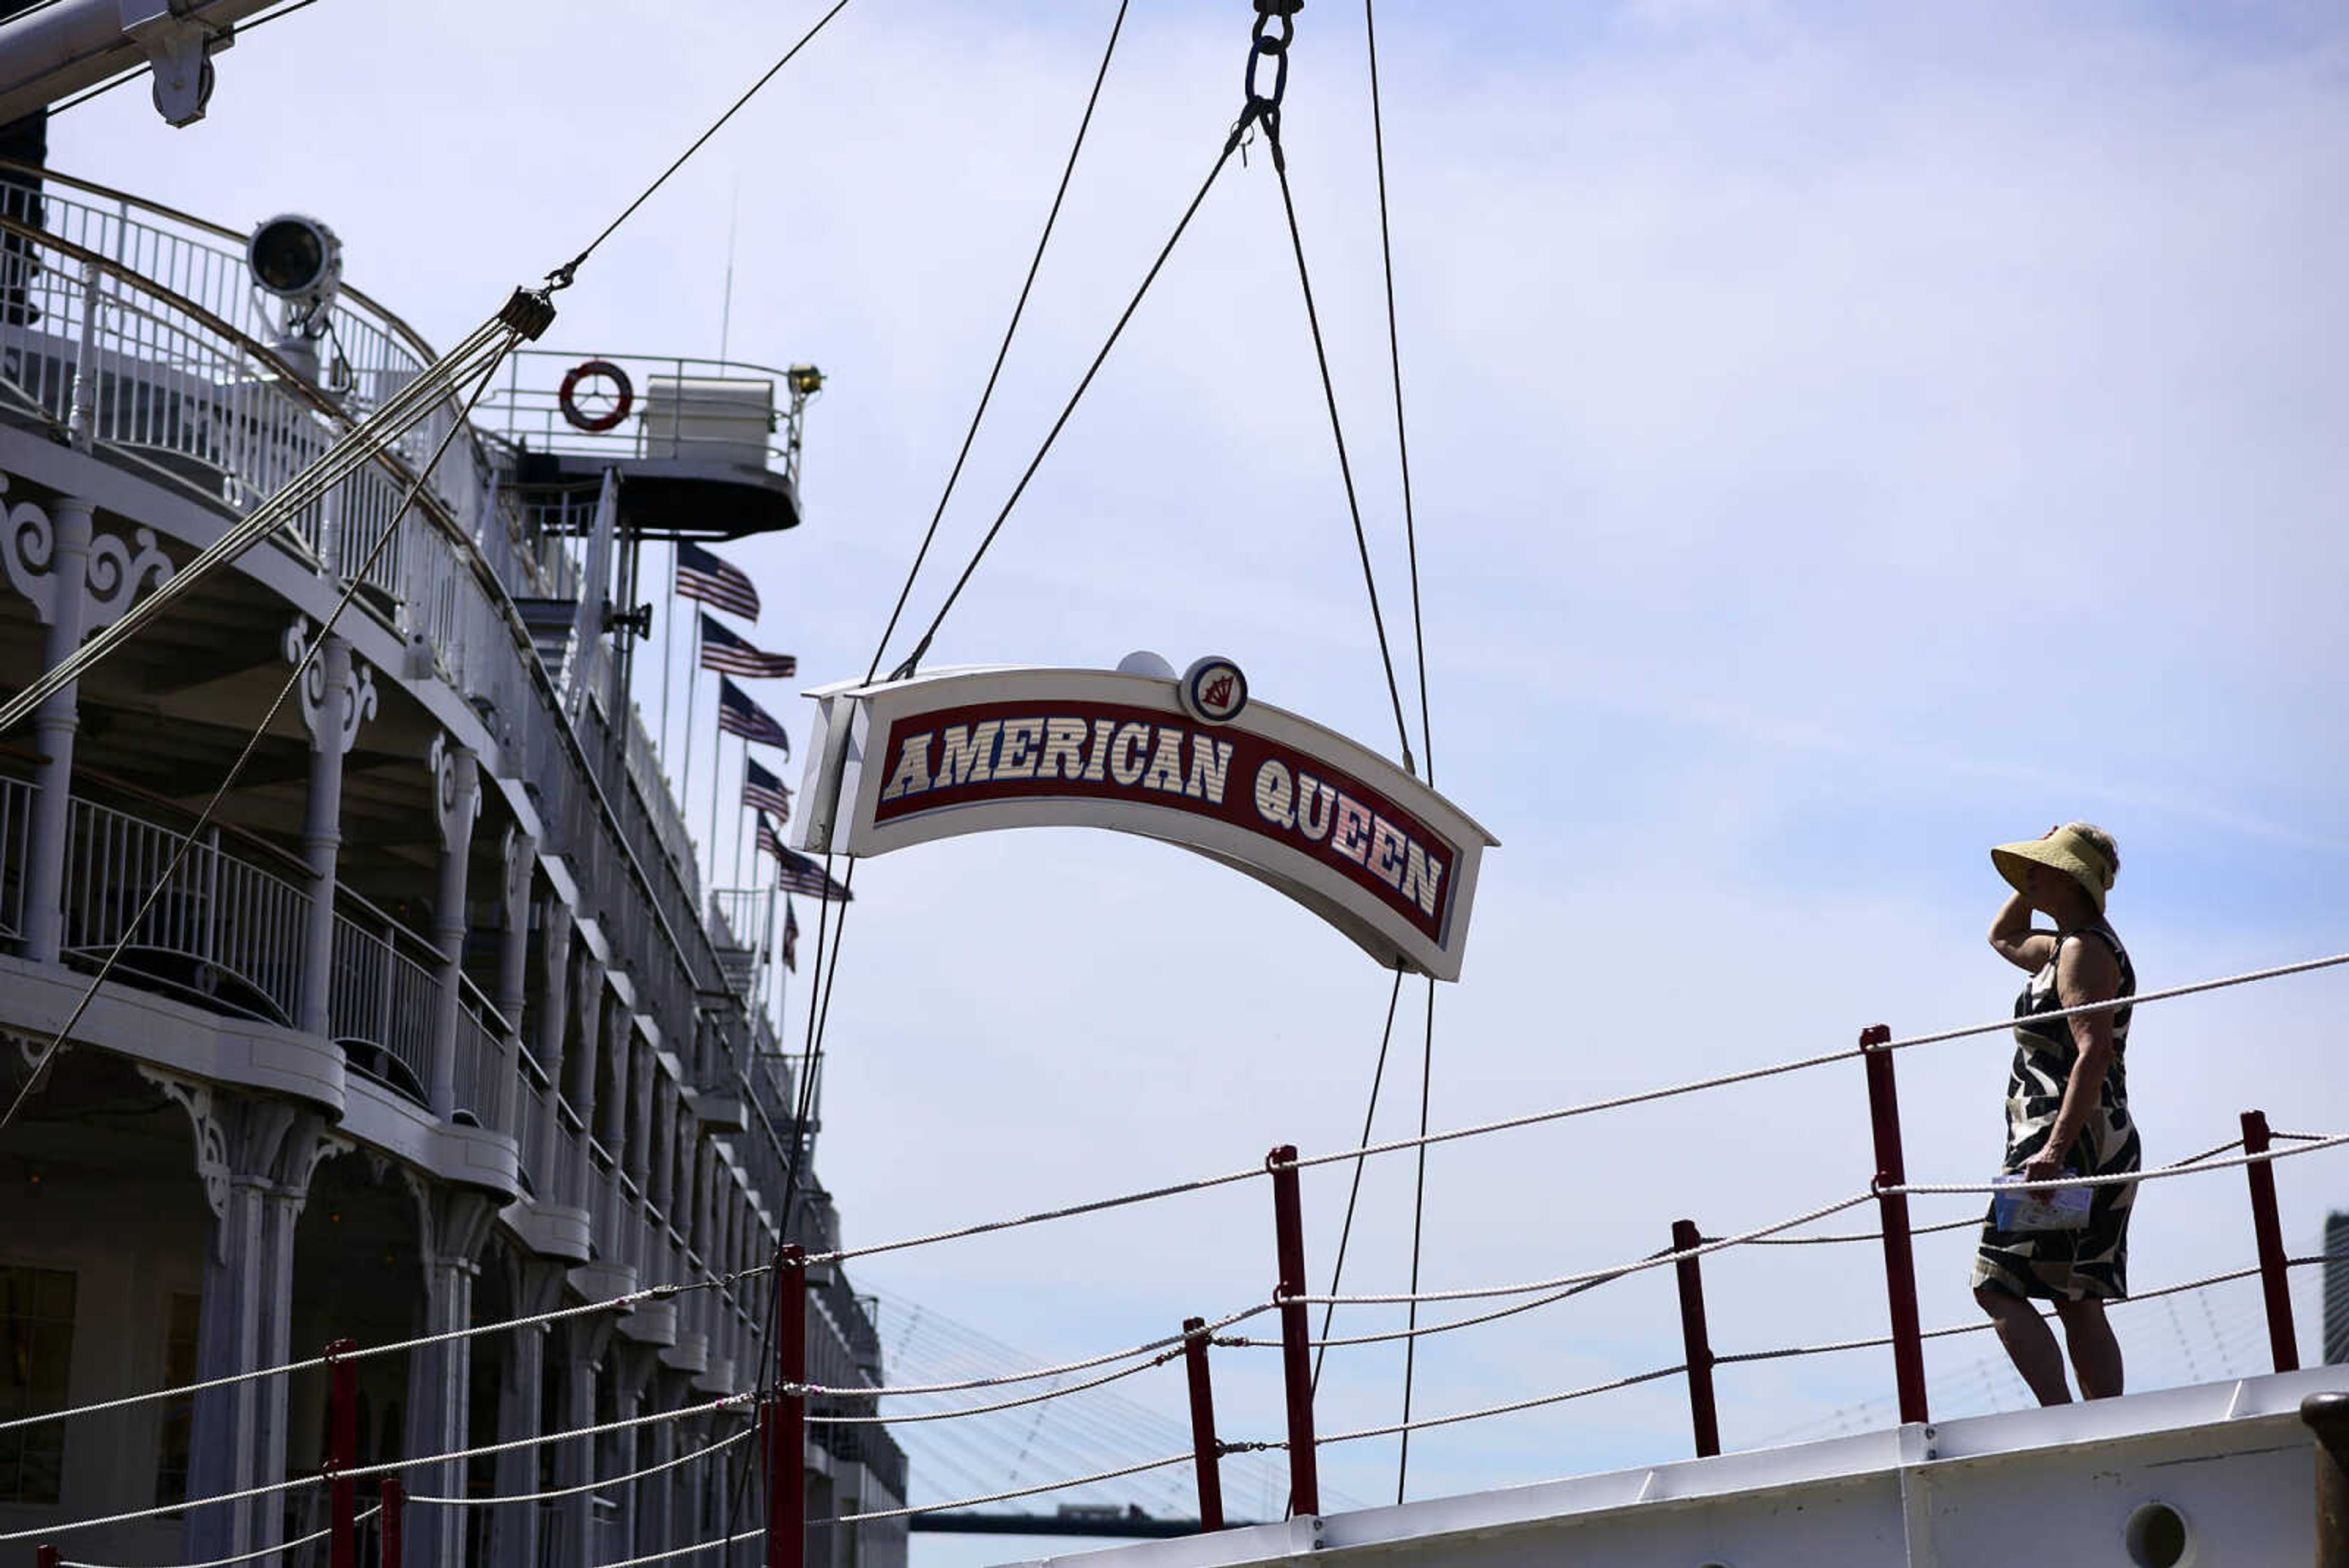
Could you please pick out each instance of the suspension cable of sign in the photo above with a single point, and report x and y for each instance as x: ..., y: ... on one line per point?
x: 1003, y: 350
x: 1275, y: 29
x: 1426, y: 722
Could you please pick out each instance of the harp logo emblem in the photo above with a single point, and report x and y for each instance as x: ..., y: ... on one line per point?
x: 1213, y: 690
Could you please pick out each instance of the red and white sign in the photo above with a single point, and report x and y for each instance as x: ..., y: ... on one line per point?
x: 1338, y: 829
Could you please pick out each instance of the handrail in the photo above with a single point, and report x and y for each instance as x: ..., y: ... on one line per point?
x: 414, y: 338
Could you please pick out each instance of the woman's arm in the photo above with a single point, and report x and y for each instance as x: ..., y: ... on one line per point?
x: 2016, y: 943
x: 2086, y: 973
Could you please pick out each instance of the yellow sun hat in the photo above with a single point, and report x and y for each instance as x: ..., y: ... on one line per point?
x: 2067, y: 849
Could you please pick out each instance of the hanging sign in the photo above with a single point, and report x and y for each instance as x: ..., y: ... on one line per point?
x: 1193, y: 761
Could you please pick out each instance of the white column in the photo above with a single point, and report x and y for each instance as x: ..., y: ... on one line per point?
x: 456, y: 801
x: 54, y: 723
x: 513, y: 1531
x: 455, y: 1223
x: 338, y: 695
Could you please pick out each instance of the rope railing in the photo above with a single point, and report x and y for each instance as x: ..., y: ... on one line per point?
x: 2120, y: 1178
x: 1146, y: 1195
x: 1094, y: 1479
x: 702, y: 1452
x: 1029, y: 1375
x: 1114, y: 1376
x: 259, y: 1551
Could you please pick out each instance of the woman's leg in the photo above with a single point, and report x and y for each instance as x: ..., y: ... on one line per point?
x: 2095, y: 1354
x: 2030, y: 1343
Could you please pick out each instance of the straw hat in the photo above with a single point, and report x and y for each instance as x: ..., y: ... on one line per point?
x: 2078, y: 850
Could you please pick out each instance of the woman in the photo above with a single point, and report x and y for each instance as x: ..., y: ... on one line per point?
x: 2066, y: 1112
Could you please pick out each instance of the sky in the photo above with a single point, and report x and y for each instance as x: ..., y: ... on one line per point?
x: 1842, y: 438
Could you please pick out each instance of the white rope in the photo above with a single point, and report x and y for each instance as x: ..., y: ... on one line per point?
x: 1540, y: 1399
x: 687, y: 1551
x: 989, y: 1226
x: 627, y: 1301
x: 2116, y: 1003
x: 390, y: 1466
x: 316, y: 1535
x: 1001, y: 1379
x: 1182, y: 1458
x: 63, y: 1526
x: 2122, y: 1178
x: 702, y: 1452
x: 1161, y: 1359
x: 1654, y: 1260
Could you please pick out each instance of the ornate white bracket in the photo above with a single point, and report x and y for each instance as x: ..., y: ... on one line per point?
x: 456, y: 792
x: 28, y: 543
x: 358, y: 689
x: 521, y: 854
x: 271, y: 1143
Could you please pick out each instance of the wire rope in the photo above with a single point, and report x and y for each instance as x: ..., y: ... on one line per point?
x: 702, y: 1452
x: 986, y: 541
x: 310, y: 1538
x: 1134, y: 1469
x: 1338, y: 432
x: 564, y: 274
x: 292, y: 682
x: 1354, y: 1188
x: 1003, y: 351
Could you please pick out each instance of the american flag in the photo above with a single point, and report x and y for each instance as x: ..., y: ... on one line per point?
x: 729, y: 655
x: 770, y: 842
x: 702, y: 576
x: 791, y: 937
x: 738, y: 715
x: 803, y: 876
x: 763, y: 792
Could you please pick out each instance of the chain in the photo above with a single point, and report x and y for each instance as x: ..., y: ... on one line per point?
x: 1275, y: 30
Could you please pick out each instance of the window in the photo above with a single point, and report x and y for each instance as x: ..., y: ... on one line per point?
x: 36, y: 1312
x: 179, y: 1414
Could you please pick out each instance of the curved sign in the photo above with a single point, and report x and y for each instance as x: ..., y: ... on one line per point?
x: 1335, y: 826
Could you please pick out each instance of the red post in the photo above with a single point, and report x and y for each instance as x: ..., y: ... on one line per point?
x: 785, y: 1420
x: 342, y: 1454
x: 45, y: 1557
x: 2281, y: 1341
x: 1203, y: 1425
x: 1892, y: 1213
x: 1296, y: 1331
x: 1695, y: 1345
x: 394, y: 1532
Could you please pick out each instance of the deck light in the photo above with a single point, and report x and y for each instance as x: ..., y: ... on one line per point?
x: 299, y: 260
x: 806, y: 381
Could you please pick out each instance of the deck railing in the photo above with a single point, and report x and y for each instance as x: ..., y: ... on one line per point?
x: 224, y: 931
x: 15, y: 814
x: 382, y: 1000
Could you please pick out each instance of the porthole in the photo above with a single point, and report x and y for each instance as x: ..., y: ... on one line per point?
x: 2157, y: 1536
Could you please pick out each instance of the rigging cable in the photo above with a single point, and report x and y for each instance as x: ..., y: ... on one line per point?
x: 561, y: 276
x: 1002, y: 352
x: 1354, y: 1191
x: 922, y: 647
x: 1419, y: 661
x: 293, y: 681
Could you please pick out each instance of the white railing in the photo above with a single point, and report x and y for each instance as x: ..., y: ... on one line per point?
x: 686, y: 409
x: 485, y: 1076
x: 15, y: 812
x: 381, y: 1001
x: 224, y: 931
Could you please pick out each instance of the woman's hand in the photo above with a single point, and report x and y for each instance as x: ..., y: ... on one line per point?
x: 2044, y: 1168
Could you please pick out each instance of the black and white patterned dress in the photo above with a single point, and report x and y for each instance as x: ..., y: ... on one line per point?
x: 2090, y: 1264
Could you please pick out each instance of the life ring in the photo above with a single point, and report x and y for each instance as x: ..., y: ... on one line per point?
x: 624, y: 396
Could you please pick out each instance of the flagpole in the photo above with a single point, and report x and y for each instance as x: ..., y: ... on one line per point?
x: 741, y: 829
x: 668, y: 644
x: 717, y: 766
x: 692, y: 683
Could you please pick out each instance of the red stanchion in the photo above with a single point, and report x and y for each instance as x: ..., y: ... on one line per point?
x: 1296, y: 1331
x: 45, y: 1557
x: 394, y: 1527
x: 1892, y: 1213
x: 1695, y: 1345
x: 2269, y: 1229
x: 784, y: 1420
x: 1203, y: 1425
x: 342, y: 1453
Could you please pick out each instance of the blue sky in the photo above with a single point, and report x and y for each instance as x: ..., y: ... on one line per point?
x: 1843, y: 439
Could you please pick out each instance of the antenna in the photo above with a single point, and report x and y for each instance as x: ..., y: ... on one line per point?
x: 733, y: 223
